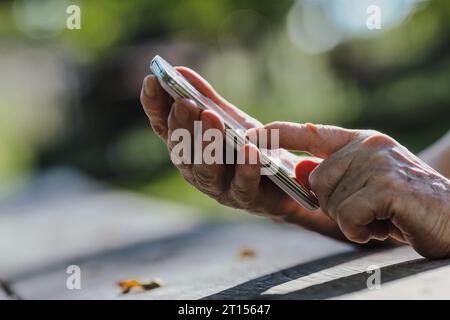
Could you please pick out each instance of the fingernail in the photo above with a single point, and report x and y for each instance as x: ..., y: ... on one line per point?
x: 149, y: 86
x: 303, y: 171
x: 181, y: 113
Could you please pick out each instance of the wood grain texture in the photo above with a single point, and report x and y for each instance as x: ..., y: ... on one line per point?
x: 425, y: 280
x: 114, y: 236
x: 349, y: 279
x: 33, y: 238
x: 194, y: 264
x: 205, y: 263
x: 6, y: 293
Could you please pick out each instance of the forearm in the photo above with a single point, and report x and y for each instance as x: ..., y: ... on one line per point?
x: 438, y: 155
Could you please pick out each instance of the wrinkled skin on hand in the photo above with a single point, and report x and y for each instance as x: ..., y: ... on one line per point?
x: 368, y: 185
x: 374, y: 188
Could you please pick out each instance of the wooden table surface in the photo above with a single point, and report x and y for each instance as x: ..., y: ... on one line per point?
x: 63, y: 219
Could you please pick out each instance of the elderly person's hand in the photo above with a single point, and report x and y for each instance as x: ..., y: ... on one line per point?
x: 373, y: 187
x: 369, y: 186
x: 239, y: 186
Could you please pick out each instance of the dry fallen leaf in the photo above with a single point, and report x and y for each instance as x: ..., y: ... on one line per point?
x: 128, y: 285
x: 247, y: 253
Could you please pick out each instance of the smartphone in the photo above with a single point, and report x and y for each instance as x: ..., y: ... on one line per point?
x: 179, y: 87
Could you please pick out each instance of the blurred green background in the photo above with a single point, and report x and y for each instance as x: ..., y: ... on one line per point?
x: 71, y: 97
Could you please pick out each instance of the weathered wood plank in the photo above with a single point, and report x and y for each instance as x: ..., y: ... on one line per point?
x: 6, y: 293
x: 113, y: 236
x: 204, y: 262
x: 36, y: 237
x: 192, y: 265
x: 63, y: 216
x: 3, y: 295
x: 432, y: 281
x: 351, y: 277
x: 289, y: 264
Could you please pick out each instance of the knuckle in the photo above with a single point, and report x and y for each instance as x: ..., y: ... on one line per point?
x: 203, y: 177
x: 274, y: 124
x: 187, y: 176
x: 385, y: 174
x: 391, y: 181
x: 376, y: 139
x: 353, y: 233
x: 346, y: 223
x: 242, y: 196
x: 158, y: 127
x: 358, y: 237
x: 381, y: 159
x: 225, y: 200
x: 206, y: 181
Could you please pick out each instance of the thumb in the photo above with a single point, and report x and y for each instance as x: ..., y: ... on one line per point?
x: 319, y: 140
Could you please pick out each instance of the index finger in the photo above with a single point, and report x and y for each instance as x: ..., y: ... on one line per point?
x: 207, y: 90
x: 319, y: 140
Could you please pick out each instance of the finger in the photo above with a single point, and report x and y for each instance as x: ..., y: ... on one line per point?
x: 356, y: 216
x: 353, y: 180
x: 183, y: 114
x: 210, y: 173
x: 207, y: 90
x: 283, y: 208
x: 323, y: 141
x: 325, y: 178
x: 210, y: 120
x: 319, y: 140
x: 244, y: 186
x: 181, y: 128
x: 395, y: 233
x: 156, y: 104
